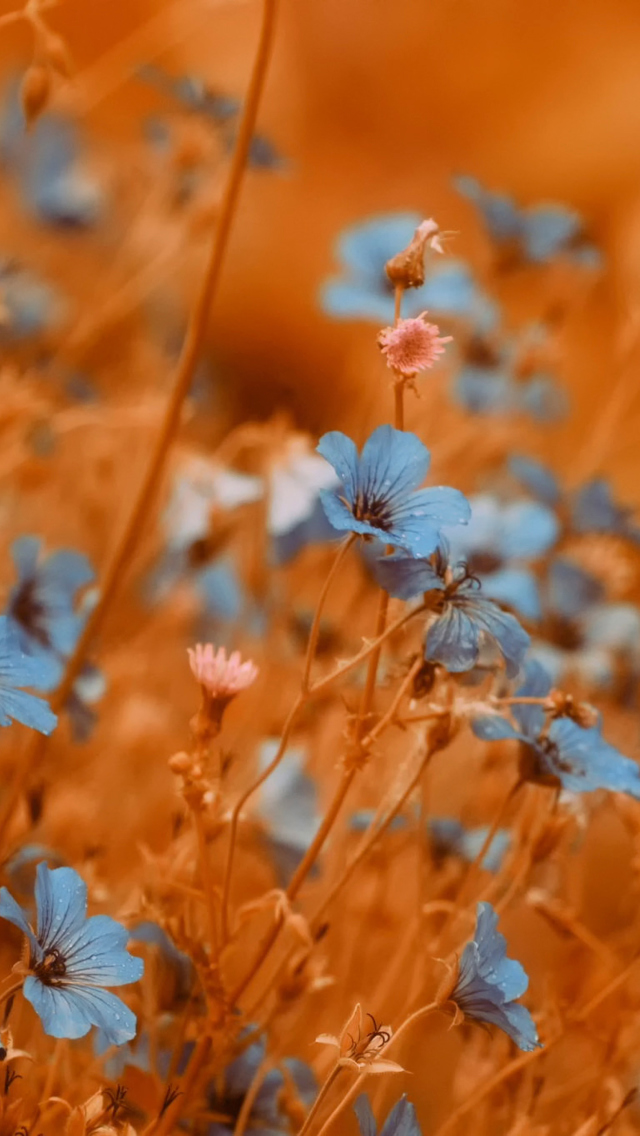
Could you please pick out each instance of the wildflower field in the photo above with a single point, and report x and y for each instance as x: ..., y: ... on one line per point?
x: 320, y: 614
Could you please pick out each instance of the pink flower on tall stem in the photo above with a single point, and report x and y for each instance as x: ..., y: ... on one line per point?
x: 220, y: 677
x: 413, y: 345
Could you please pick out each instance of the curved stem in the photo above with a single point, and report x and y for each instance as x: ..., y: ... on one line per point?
x: 314, y: 849
x: 184, y: 376
x: 207, y: 879
x: 488, y: 1086
x: 241, y: 802
x: 315, y: 626
x: 168, y: 1122
x: 367, y: 651
x: 244, y: 1116
x: 342, y: 1104
x: 319, y: 1099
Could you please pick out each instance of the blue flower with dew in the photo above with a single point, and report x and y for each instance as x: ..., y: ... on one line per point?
x: 364, y: 291
x: 539, y: 233
x: 71, y: 959
x: 488, y: 983
x: 559, y: 753
x: 41, y: 607
x: 379, y: 496
x: 401, y: 1121
x: 463, y: 616
x: 449, y: 837
x: 18, y: 670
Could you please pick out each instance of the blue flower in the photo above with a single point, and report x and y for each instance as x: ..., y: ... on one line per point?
x: 30, y: 305
x: 487, y: 384
x: 594, y: 510
x: 464, y: 617
x: 401, y: 1121
x: 488, y: 983
x: 537, y: 478
x: 561, y: 754
x: 379, y: 495
x: 41, y: 605
x: 71, y: 958
x: 267, y: 1116
x: 365, y: 292
x: 499, y: 534
x: 16, y: 670
x: 46, y: 161
x: 538, y: 233
x: 450, y: 838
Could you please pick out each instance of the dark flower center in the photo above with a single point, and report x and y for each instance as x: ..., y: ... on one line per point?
x: 537, y: 761
x: 51, y: 968
x: 27, y: 610
x: 374, y: 511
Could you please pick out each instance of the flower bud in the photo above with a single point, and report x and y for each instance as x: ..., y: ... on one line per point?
x: 406, y: 269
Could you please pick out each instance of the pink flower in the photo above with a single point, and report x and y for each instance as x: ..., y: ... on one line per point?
x: 411, y: 346
x: 221, y: 677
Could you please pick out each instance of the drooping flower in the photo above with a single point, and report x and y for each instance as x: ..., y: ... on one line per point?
x: 221, y: 677
x: 449, y: 837
x: 17, y: 670
x: 497, y: 543
x: 412, y: 345
x: 71, y: 959
x: 560, y: 753
x: 464, y: 617
x: 364, y: 291
x: 487, y: 983
x: 379, y: 495
x: 42, y: 605
x: 401, y: 1121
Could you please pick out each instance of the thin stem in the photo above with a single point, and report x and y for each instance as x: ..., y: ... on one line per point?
x: 11, y: 990
x: 374, y: 645
x: 314, y: 849
x: 207, y: 879
x: 372, y: 671
x: 397, y: 300
x: 615, y: 984
x: 398, y: 399
x: 389, y: 714
x: 337, y: 1069
x: 244, y: 1116
x: 368, y: 842
x: 238, y: 807
x: 168, y: 1122
x: 315, y: 626
x: 402, y: 1029
x: 342, y: 1104
x: 475, y: 866
x: 191, y: 347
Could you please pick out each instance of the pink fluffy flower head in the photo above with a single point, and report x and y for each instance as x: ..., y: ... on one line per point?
x: 413, y: 345
x: 220, y: 677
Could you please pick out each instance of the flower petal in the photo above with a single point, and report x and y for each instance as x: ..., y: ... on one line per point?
x: 453, y: 640
x: 70, y: 1011
x: 61, y: 901
x: 12, y: 911
x: 405, y: 576
x: 341, y: 452
x: 97, y: 955
x: 393, y: 463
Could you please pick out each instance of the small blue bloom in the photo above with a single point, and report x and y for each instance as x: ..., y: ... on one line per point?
x: 464, y: 616
x: 46, y: 161
x: 71, y: 959
x: 563, y: 754
x: 570, y: 590
x: 193, y: 92
x: 17, y: 670
x: 537, y: 478
x: 365, y: 292
x: 449, y: 837
x: 401, y: 1121
x: 30, y: 305
x: 594, y: 509
x: 538, y: 233
x: 222, y: 591
x: 41, y: 608
x: 267, y: 1118
x: 488, y: 983
x: 379, y: 495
